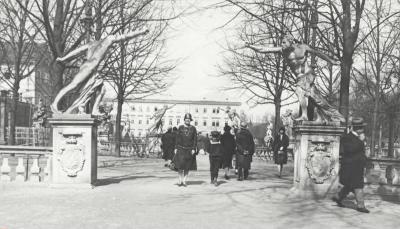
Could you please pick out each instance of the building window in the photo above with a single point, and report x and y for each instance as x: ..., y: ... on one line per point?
x: 140, y: 108
x: 178, y: 121
x: 214, y: 111
x: 155, y: 108
x: 170, y: 122
x: 213, y: 123
x: 197, y: 110
x: 196, y: 123
x: 147, y: 122
x: 205, y: 110
x: 204, y: 123
x: 217, y: 123
x: 140, y: 122
x: 218, y: 110
x: 133, y: 108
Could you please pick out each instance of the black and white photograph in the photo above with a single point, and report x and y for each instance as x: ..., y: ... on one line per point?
x: 199, y: 114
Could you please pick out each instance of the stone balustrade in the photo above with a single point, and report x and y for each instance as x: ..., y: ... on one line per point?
x: 266, y: 153
x: 25, y: 164
x: 383, y: 171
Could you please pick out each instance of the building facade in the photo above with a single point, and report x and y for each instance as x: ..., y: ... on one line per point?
x: 207, y: 115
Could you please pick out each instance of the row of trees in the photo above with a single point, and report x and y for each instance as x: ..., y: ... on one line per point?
x: 34, y: 32
x: 363, y: 35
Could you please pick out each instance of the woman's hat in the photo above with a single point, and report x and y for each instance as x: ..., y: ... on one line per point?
x: 358, y: 123
x: 243, y: 124
x: 188, y: 116
x: 215, y: 134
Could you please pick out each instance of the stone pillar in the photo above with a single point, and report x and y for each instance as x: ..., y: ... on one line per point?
x: 316, y: 159
x: 74, y: 160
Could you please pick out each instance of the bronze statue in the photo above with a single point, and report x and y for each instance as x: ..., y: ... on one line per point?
x: 95, y: 53
x: 295, y: 55
x: 40, y: 116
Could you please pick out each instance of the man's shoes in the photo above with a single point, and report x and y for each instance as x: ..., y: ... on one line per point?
x: 184, y: 184
x: 240, y: 179
x: 215, y: 182
x: 363, y: 210
x: 227, y: 177
x: 338, y: 202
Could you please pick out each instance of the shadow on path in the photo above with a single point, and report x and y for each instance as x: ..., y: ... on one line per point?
x: 116, y: 180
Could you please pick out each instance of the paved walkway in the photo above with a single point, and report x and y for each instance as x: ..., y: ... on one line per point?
x: 143, y: 195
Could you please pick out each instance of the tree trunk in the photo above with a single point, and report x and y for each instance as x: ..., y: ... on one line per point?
x: 277, y: 119
x: 392, y: 118
x: 373, y: 129
x: 118, y: 127
x: 57, y: 71
x: 12, y: 117
x: 345, y: 87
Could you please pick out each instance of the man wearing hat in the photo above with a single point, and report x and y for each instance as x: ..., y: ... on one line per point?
x: 244, y: 150
x: 214, y: 150
x: 185, y: 149
x: 352, y: 165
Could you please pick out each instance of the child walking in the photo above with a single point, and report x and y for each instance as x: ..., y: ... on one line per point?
x: 215, y: 155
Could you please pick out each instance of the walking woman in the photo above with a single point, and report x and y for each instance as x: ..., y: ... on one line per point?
x: 281, y: 142
x: 185, y: 149
x: 228, y: 149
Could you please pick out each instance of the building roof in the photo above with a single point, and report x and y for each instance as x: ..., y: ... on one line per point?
x: 172, y: 101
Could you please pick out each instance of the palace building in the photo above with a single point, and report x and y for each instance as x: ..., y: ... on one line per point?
x: 207, y: 115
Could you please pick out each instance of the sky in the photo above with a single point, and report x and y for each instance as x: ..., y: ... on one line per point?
x: 198, y: 40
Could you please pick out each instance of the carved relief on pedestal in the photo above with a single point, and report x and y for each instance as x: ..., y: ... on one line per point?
x: 71, y: 153
x: 320, y: 161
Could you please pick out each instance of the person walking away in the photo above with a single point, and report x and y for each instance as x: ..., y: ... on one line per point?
x: 281, y: 142
x: 244, y: 151
x: 185, y: 149
x: 215, y: 155
x: 168, y: 146
x: 228, y: 148
x: 352, y: 165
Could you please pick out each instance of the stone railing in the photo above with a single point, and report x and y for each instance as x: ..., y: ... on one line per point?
x: 384, y: 171
x: 127, y: 149
x: 25, y: 164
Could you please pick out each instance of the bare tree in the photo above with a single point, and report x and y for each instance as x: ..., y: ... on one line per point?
x: 137, y: 68
x: 20, y: 52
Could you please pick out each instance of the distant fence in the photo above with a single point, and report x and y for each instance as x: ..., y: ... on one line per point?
x: 31, y: 136
x: 140, y: 147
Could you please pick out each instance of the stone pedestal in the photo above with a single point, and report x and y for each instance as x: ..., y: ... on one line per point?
x: 74, y: 161
x: 316, y: 159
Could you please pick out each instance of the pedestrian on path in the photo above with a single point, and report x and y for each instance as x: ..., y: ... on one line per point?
x: 168, y: 146
x: 185, y: 149
x: 281, y: 142
x: 352, y: 165
x: 244, y: 151
x: 228, y: 149
x: 215, y: 155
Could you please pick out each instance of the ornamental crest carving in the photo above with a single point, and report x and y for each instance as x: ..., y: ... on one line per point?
x: 320, y: 162
x: 71, y: 156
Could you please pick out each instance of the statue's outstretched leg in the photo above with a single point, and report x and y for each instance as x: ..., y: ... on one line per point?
x: 61, y: 94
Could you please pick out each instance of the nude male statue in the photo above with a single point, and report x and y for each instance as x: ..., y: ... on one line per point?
x: 95, y: 53
x: 296, y: 56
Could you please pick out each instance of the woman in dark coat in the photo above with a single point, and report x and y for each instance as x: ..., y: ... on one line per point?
x: 352, y: 164
x: 185, y: 149
x: 281, y: 142
x: 168, y: 145
x: 228, y: 149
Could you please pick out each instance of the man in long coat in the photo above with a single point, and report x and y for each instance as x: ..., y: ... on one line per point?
x: 353, y: 161
x: 244, y: 151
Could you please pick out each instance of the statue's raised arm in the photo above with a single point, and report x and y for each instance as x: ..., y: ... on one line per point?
x: 130, y: 35
x: 74, y: 53
x: 262, y: 49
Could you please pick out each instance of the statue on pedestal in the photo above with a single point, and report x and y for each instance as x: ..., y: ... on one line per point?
x: 40, y: 116
x: 295, y: 55
x: 287, y: 119
x: 86, y: 79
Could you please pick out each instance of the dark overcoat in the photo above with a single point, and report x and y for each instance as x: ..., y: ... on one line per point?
x: 244, y: 148
x: 276, y: 145
x: 228, y: 149
x: 168, y: 145
x: 353, y: 161
x: 186, y: 141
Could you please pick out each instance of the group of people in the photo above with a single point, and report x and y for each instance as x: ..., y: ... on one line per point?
x: 180, y: 148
